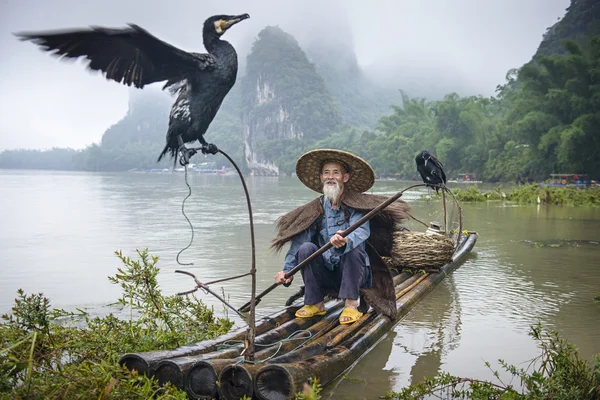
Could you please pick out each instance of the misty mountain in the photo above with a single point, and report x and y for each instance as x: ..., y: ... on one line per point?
x: 285, y: 103
x: 360, y: 99
x: 145, y: 122
x: 580, y: 23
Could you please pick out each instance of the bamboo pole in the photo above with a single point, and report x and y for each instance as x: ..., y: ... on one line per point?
x: 201, y: 380
x: 350, y: 329
x: 407, y: 283
x: 236, y: 381
x: 283, y: 380
x: 401, y: 277
x: 199, y: 376
x: 174, y: 369
x: 412, y: 285
x: 143, y: 362
x: 318, y: 343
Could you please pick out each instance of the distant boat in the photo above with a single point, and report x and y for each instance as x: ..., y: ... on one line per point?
x: 465, y: 178
x: 580, y: 180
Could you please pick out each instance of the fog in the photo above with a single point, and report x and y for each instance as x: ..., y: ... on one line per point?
x: 465, y: 46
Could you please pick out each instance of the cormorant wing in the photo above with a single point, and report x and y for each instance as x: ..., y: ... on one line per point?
x: 440, y: 166
x: 126, y: 55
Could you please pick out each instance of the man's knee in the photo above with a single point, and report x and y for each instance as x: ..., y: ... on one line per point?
x: 305, y: 250
x: 356, y: 256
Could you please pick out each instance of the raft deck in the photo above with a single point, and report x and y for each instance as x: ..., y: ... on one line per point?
x: 216, y: 369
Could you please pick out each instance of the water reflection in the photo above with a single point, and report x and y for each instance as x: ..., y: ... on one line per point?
x: 415, y: 348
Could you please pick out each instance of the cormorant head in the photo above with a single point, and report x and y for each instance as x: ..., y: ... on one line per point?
x: 423, y: 157
x: 219, y: 24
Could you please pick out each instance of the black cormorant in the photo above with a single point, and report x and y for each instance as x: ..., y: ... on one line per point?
x: 133, y: 56
x: 431, y: 170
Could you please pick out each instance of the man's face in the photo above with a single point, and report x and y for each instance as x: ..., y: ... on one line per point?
x: 334, y: 174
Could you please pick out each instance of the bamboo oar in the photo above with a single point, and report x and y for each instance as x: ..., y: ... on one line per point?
x: 328, y: 245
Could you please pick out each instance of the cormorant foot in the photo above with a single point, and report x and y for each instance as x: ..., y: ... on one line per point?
x: 186, y: 154
x: 209, y: 148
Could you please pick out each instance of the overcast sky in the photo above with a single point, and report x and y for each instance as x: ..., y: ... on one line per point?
x: 465, y: 45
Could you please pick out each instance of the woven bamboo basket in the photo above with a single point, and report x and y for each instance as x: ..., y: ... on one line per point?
x: 420, y: 251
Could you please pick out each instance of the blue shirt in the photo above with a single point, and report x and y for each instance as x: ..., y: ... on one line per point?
x: 331, y: 222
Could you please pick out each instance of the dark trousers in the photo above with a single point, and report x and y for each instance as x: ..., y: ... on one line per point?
x: 346, y: 279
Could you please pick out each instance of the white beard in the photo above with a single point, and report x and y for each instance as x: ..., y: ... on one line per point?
x: 332, y: 192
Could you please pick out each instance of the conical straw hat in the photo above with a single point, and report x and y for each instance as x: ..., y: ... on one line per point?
x: 309, y: 165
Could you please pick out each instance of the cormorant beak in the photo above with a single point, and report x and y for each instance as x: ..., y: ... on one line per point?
x: 235, y: 20
x: 426, y: 159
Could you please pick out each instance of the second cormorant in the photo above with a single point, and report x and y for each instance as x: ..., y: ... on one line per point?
x: 431, y: 170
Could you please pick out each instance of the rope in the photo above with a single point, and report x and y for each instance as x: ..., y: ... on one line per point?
x: 186, y: 217
x: 233, y: 343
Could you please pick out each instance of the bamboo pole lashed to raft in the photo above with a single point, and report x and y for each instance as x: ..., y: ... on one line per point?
x: 173, y: 368
x: 144, y: 361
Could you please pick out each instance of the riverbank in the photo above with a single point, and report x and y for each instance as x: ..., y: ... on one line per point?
x: 533, y: 194
x: 50, y: 353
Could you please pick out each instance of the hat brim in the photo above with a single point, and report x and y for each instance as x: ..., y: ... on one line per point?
x: 309, y: 165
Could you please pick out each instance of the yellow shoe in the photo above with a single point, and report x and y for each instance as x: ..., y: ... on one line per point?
x: 351, y: 313
x: 309, y: 311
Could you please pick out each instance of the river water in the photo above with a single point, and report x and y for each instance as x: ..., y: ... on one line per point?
x: 59, y: 231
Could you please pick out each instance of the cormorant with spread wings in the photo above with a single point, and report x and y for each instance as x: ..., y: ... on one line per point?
x: 133, y: 56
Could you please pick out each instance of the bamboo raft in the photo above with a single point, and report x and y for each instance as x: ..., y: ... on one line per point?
x: 322, y: 348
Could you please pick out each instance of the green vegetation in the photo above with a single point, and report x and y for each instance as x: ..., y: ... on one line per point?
x: 543, y: 120
x: 556, y: 374
x: 533, y: 194
x: 53, y: 354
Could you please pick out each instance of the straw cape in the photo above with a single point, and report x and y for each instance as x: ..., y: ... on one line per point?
x: 381, y: 295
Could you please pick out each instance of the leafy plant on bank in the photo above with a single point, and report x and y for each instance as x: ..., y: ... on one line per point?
x: 54, y: 354
x: 557, y: 373
x: 533, y: 194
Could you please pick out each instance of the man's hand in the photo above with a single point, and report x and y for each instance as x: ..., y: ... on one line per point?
x: 280, y: 278
x: 337, y: 240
